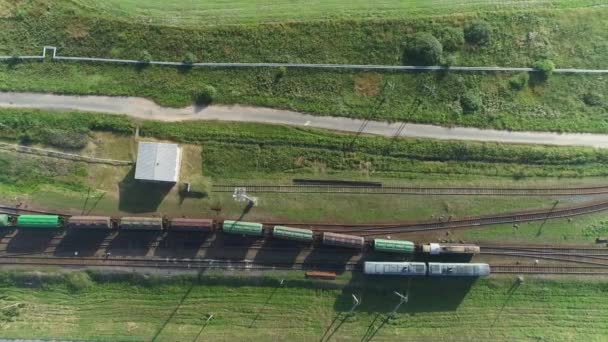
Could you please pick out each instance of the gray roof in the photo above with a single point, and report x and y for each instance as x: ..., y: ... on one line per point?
x: 157, y: 162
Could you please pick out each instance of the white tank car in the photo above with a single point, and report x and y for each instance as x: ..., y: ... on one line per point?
x: 395, y: 268
x: 437, y: 269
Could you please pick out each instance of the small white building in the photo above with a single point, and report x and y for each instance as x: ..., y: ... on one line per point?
x: 158, y: 162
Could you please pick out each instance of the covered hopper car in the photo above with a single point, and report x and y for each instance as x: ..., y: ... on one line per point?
x: 343, y: 240
x: 437, y: 269
x: 141, y: 223
x: 191, y: 225
x: 395, y: 268
x: 89, y: 222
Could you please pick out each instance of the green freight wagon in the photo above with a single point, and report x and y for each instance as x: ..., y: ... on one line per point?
x: 243, y: 228
x: 394, y: 246
x: 39, y: 221
x: 4, y: 220
x: 289, y: 233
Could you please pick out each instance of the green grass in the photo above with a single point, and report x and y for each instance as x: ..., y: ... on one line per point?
x: 556, y: 106
x: 200, y: 12
x: 100, y: 307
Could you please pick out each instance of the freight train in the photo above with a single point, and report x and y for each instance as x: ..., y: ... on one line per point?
x: 229, y: 227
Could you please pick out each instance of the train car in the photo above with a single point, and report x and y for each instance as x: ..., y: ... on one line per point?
x: 394, y: 246
x: 39, y: 221
x: 89, y: 222
x: 343, y: 240
x: 437, y: 269
x: 4, y: 221
x: 141, y: 223
x: 296, y: 234
x: 191, y: 225
x: 436, y: 249
x: 242, y: 228
x: 395, y: 268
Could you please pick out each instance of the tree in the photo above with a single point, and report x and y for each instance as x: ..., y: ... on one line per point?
x: 478, y: 33
x: 189, y: 58
x: 470, y: 102
x: 520, y: 81
x: 204, y: 96
x: 145, y: 57
x: 451, y: 38
x: 545, y: 67
x: 423, y: 49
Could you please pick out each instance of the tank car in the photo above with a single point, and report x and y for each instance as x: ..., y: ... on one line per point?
x: 191, y: 225
x: 343, y: 240
x: 436, y: 249
x: 289, y: 233
x: 243, y: 228
x: 437, y: 269
x: 395, y: 268
x: 39, y: 221
x: 394, y: 246
x: 89, y: 222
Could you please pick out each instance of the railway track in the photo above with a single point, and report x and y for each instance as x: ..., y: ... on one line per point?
x: 405, y: 190
x: 555, y: 269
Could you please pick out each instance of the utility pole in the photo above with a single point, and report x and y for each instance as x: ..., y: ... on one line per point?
x: 402, y: 299
x: 240, y: 195
x: 356, y: 302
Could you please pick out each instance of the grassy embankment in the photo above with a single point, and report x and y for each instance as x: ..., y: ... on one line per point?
x: 569, y: 34
x: 130, y: 307
x: 270, y: 154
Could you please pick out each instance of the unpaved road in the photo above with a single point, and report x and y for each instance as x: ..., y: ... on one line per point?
x: 146, y: 109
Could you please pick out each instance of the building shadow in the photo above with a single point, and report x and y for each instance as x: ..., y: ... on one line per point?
x: 141, y: 196
x: 86, y: 242
x: 426, y: 294
x: 31, y: 240
x: 181, y: 244
x: 133, y: 243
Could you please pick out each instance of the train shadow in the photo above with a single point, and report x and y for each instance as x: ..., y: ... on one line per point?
x: 133, y: 243
x: 86, y: 242
x: 181, y: 244
x: 425, y: 294
x: 31, y: 240
x: 284, y: 252
x: 229, y: 247
x: 326, y: 258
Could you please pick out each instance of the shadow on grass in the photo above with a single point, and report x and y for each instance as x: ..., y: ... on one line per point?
x: 139, y: 196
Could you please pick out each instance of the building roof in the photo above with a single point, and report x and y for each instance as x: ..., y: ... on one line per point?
x: 157, y: 162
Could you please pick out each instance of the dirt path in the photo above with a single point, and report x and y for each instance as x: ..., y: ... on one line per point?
x: 146, y: 109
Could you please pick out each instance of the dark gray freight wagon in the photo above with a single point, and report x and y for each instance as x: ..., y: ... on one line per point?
x: 141, y: 223
x: 191, y: 225
x: 343, y: 240
x: 89, y: 222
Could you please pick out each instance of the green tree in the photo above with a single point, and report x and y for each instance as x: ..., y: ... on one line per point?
x: 470, y: 102
x: 451, y: 38
x: 545, y: 67
x: 145, y: 57
x: 189, y: 58
x: 478, y: 33
x: 423, y: 49
x: 204, y: 96
x: 519, y: 81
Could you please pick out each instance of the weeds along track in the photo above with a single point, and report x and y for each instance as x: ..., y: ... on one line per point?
x: 403, y: 190
x: 407, y: 227
x: 586, y: 256
x: 554, y: 269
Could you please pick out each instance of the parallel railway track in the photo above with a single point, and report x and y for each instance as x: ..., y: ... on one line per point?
x: 405, y: 190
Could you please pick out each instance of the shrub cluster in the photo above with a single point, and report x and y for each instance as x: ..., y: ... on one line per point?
x: 470, y: 102
x: 423, y: 49
x: 478, y: 33
x: 519, y: 81
x: 545, y: 67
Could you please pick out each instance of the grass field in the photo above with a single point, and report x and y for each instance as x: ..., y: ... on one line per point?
x: 221, y: 12
x: 132, y: 308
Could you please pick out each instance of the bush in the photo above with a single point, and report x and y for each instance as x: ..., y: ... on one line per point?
x: 145, y: 57
x: 423, y: 49
x: 65, y: 139
x: 189, y: 58
x: 451, y: 38
x: 478, y: 33
x: 470, y: 102
x: 520, y: 81
x: 592, y: 99
x: 545, y: 67
x: 205, y: 95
